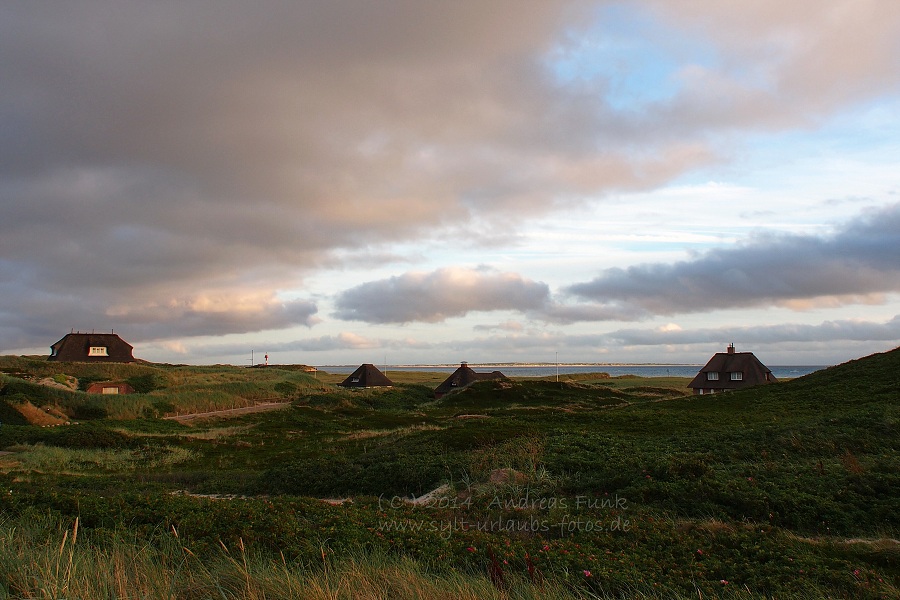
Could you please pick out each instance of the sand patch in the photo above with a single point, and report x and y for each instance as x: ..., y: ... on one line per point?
x: 46, y: 417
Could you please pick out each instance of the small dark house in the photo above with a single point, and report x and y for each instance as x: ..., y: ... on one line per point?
x: 109, y: 387
x: 731, y: 370
x: 463, y: 377
x: 91, y: 347
x: 367, y: 375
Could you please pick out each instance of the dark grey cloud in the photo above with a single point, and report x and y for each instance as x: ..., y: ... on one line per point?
x: 439, y: 295
x: 860, y: 259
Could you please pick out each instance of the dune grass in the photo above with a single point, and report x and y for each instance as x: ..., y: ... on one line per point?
x: 50, y: 459
x: 42, y: 558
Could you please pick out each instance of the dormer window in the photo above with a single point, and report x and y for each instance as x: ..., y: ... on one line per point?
x: 97, y: 351
x: 737, y: 376
x: 712, y: 376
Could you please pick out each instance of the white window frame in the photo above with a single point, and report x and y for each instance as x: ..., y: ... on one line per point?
x: 98, y: 351
x: 712, y: 376
x: 737, y: 376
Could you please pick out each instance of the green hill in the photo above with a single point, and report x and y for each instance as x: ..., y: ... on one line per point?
x: 784, y: 490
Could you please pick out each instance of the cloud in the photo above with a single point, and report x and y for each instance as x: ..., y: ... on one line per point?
x: 165, y: 152
x: 513, y: 326
x: 827, y: 331
x: 27, y: 317
x: 438, y: 295
x: 780, y: 66
x: 860, y: 260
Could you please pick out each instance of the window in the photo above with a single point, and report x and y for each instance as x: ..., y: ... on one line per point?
x: 712, y: 376
x: 737, y: 376
x: 97, y: 351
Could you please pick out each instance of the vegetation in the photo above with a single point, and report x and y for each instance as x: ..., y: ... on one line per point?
x: 588, y: 487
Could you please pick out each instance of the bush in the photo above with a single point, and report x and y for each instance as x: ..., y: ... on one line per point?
x: 144, y: 384
x: 85, y: 382
x: 86, y: 436
x: 89, y: 412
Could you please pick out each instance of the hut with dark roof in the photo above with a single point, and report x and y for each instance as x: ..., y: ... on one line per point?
x: 462, y: 377
x: 366, y: 376
x: 731, y: 370
x: 109, y: 388
x: 91, y: 347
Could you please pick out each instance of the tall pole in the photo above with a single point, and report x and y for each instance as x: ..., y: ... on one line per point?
x: 557, y: 367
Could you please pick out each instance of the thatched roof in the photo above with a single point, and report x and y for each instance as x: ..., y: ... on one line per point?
x: 367, y: 375
x: 91, y: 347
x: 462, y: 377
x: 717, y: 376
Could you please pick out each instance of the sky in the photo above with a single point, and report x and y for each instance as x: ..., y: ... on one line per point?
x: 405, y: 182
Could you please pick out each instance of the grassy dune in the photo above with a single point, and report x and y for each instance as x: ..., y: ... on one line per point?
x: 589, y: 487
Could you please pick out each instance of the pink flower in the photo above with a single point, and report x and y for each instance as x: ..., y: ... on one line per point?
x: 470, y: 549
x: 586, y: 573
x: 700, y: 552
x: 723, y: 581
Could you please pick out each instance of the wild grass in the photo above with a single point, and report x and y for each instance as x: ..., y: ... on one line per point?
x: 49, y: 459
x: 44, y: 559
x: 364, y: 434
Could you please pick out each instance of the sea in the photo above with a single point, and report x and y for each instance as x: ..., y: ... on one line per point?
x: 643, y: 370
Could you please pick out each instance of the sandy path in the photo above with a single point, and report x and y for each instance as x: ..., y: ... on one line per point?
x: 230, y: 412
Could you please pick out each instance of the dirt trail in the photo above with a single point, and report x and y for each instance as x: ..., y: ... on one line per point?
x: 230, y: 412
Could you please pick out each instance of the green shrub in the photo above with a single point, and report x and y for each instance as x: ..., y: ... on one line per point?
x: 89, y: 412
x: 85, y: 382
x: 146, y: 383
x: 87, y: 436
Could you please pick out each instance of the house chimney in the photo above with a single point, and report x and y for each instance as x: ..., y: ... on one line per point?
x: 463, y: 364
x: 730, y: 348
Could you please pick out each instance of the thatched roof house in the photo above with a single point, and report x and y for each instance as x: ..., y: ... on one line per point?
x: 731, y: 370
x: 463, y: 377
x: 91, y: 347
x: 367, y: 375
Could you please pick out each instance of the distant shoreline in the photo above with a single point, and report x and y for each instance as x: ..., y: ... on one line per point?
x: 528, y: 365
